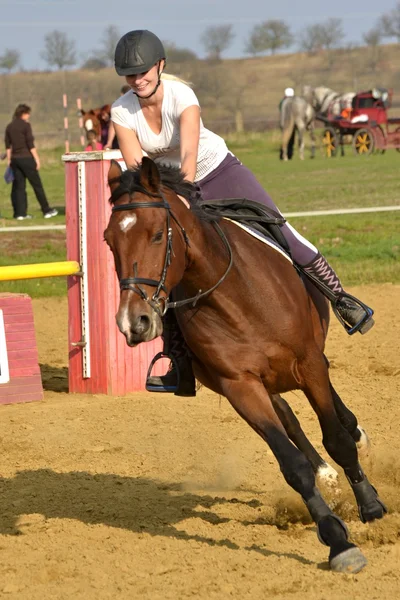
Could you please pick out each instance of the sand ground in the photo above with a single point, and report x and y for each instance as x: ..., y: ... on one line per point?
x: 153, y: 496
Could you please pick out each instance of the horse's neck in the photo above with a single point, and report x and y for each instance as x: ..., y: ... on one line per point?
x: 207, y: 255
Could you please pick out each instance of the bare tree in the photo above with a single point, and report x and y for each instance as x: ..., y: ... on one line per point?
x: 216, y: 40
x: 322, y: 36
x: 110, y: 38
x: 59, y: 51
x: 389, y: 23
x: 333, y: 33
x: 271, y: 35
x: 373, y: 39
x: 311, y: 39
x: 9, y: 60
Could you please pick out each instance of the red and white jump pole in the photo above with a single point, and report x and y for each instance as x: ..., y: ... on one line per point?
x: 80, y: 123
x: 66, y: 133
x: 100, y: 362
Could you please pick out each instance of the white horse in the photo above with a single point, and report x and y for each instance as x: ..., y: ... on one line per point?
x: 296, y: 114
x: 324, y: 100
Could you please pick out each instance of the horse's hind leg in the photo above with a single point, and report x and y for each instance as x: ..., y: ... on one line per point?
x: 349, y: 422
x: 313, y: 140
x: 322, y: 470
x: 300, y: 131
x: 252, y: 401
x: 336, y: 438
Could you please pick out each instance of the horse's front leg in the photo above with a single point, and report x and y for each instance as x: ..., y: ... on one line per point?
x: 337, y: 440
x: 252, y: 401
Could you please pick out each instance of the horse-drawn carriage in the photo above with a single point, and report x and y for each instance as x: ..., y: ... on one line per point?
x: 365, y: 125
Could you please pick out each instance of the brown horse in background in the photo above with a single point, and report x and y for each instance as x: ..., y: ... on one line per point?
x: 254, y: 333
x: 98, y: 120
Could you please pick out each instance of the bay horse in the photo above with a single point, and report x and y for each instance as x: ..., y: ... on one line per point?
x: 253, y: 330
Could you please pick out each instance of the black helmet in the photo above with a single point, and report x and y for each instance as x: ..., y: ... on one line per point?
x: 138, y: 51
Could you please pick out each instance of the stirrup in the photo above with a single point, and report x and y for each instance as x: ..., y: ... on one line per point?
x: 368, y: 313
x: 163, y: 388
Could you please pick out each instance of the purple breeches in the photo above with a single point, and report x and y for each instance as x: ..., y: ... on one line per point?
x: 231, y: 179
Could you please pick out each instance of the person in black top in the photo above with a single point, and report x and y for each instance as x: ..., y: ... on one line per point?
x: 24, y: 160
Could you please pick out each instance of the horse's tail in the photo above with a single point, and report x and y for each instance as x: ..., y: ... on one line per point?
x: 287, y: 122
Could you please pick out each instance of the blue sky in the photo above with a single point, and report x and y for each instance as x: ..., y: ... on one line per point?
x: 24, y: 23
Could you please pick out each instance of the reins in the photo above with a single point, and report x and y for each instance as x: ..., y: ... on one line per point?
x: 161, y: 303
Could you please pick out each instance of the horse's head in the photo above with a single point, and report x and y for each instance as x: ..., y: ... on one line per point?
x: 91, y: 120
x: 149, y: 247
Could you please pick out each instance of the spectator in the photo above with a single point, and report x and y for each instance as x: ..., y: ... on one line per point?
x: 24, y: 160
x: 93, y: 144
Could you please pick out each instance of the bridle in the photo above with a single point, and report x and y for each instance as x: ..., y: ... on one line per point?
x: 160, y: 304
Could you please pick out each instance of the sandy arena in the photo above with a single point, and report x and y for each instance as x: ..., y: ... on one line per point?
x: 159, y: 497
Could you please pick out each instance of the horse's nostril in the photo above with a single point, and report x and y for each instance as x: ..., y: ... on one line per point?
x: 142, y: 323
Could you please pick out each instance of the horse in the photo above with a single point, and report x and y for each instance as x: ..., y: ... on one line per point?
x: 324, y: 100
x: 253, y: 333
x: 98, y: 120
x: 296, y: 114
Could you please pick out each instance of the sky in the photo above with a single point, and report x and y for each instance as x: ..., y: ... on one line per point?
x: 24, y: 23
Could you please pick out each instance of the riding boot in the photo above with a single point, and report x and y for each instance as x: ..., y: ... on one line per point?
x: 179, y: 378
x: 353, y: 314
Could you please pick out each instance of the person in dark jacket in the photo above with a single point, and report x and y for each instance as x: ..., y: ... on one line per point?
x: 24, y: 160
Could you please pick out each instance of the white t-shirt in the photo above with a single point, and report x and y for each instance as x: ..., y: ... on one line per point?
x: 165, y: 147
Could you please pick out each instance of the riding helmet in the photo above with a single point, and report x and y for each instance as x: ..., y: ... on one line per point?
x: 137, y: 52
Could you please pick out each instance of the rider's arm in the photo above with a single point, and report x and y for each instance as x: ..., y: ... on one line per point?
x: 111, y: 135
x: 190, y: 135
x: 129, y: 146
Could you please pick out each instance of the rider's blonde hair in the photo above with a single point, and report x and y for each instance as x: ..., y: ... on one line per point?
x: 170, y: 77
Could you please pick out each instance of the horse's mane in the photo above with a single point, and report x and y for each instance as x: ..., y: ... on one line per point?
x: 171, y: 177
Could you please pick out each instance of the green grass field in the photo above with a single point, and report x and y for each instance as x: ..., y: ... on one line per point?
x: 363, y: 248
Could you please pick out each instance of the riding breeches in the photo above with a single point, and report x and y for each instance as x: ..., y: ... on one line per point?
x: 231, y: 179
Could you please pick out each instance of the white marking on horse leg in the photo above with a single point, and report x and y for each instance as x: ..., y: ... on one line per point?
x: 327, y: 475
x: 363, y: 444
x: 128, y: 222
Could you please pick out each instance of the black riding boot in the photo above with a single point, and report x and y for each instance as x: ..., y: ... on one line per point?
x: 351, y: 312
x: 180, y: 378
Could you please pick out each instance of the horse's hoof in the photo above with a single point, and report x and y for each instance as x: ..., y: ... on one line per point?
x: 349, y: 561
x: 372, y: 510
x: 363, y: 444
x: 327, y: 475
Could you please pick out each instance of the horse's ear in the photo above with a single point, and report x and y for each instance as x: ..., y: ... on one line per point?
x: 149, y: 175
x: 114, y: 174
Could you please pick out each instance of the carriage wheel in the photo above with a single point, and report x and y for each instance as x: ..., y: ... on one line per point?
x: 330, y: 142
x: 363, y: 142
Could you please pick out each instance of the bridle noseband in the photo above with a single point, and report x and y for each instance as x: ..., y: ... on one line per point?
x: 161, y: 303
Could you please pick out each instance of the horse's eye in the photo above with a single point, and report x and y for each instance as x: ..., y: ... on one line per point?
x: 157, y: 238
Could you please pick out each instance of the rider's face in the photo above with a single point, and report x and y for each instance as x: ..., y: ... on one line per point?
x: 144, y: 83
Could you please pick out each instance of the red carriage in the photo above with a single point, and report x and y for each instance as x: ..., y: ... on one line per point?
x: 365, y: 125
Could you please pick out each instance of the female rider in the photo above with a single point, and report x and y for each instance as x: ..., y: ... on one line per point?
x: 162, y: 118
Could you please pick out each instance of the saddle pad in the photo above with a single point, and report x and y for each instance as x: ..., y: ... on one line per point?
x: 260, y: 237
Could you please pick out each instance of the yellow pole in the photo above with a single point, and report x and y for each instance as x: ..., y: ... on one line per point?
x: 55, y: 269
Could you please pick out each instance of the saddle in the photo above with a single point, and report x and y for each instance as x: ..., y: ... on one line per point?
x: 254, y: 215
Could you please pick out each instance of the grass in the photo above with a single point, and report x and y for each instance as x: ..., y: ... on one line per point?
x: 363, y: 248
